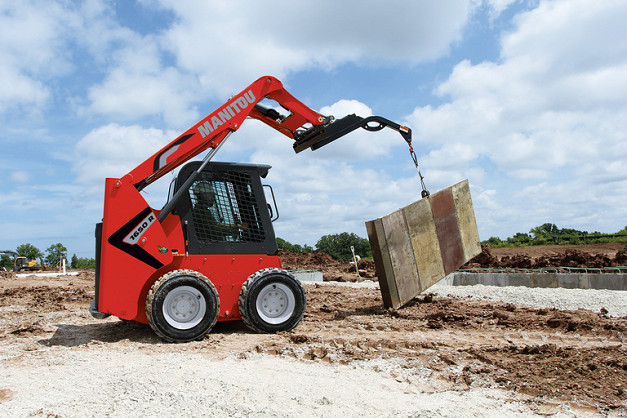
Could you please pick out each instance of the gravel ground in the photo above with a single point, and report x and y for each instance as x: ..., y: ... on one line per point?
x: 349, y: 357
x: 179, y: 384
x: 613, y: 301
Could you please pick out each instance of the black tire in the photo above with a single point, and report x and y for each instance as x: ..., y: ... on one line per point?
x: 182, y: 306
x: 272, y: 300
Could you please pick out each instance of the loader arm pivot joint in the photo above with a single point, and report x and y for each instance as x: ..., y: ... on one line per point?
x: 318, y: 136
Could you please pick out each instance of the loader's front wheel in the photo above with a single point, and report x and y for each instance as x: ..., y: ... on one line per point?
x: 182, y: 306
x: 272, y: 300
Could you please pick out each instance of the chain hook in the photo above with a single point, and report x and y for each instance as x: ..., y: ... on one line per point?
x: 424, y: 193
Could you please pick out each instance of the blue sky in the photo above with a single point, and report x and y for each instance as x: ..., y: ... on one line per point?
x: 525, y: 99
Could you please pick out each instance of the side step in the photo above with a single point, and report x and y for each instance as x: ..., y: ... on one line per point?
x: 95, y: 313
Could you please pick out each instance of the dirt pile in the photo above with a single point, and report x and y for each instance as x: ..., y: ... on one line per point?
x: 569, y: 257
x: 532, y: 257
x: 332, y: 270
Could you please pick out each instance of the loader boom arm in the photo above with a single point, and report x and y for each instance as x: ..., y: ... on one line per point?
x: 306, y: 127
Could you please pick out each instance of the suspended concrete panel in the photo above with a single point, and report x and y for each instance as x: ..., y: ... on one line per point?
x: 420, y: 244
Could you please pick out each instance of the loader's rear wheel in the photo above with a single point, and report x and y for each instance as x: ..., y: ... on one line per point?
x: 272, y: 300
x: 182, y: 306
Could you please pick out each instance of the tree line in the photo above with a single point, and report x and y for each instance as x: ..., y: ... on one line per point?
x: 549, y: 233
x: 337, y: 246
x: 52, y: 256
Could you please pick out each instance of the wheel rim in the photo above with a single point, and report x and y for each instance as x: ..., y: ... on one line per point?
x: 184, y: 307
x: 275, y: 303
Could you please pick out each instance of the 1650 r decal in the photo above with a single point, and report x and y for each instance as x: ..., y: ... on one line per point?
x: 128, y: 235
x: 135, y: 235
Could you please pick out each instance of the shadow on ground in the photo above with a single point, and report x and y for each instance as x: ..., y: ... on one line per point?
x: 68, y: 335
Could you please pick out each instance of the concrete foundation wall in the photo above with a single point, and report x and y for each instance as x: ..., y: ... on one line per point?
x: 307, y: 275
x: 609, y: 281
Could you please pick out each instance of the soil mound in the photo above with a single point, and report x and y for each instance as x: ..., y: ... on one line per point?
x: 332, y: 270
x: 571, y: 258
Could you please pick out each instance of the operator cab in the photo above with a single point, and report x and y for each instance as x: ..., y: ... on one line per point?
x: 225, y: 209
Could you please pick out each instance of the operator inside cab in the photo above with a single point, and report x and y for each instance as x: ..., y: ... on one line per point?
x: 215, y: 217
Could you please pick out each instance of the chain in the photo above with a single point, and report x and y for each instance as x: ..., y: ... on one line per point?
x: 425, y: 192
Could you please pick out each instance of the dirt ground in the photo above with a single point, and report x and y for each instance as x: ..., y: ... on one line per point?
x: 543, y: 256
x: 545, y: 358
x: 539, y: 256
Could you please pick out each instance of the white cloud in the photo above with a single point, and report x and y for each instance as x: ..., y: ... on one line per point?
x: 139, y: 85
x: 568, y: 35
x: 359, y: 144
x: 20, y: 89
x: 39, y: 44
x: 318, y: 197
x: 551, y: 110
x: 228, y: 46
x: 98, y: 30
x: 20, y: 176
x: 498, y: 6
x: 219, y: 48
x: 31, y: 50
x: 114, y: 150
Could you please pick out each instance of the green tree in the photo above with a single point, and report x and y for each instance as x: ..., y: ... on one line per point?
x: 6, y: 262
x: 549, y: 233
x: 519, y: 238
x: 545, y: 231
x: 29, y: 251
x: 74, y: 262
x: 84, y: 263
x: 294, y: 248
x: 338, y: 246
x: 56, y: 252
x: 493, y: 241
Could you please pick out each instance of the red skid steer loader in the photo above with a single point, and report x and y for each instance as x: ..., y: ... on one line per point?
x: 210, y: 253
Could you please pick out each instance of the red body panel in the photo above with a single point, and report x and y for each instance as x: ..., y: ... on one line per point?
x: 227, y: 273
x: 136, y: 251
x: 172, y: 228
x: 130, y: 249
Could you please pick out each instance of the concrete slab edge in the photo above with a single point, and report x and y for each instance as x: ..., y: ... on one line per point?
x: 608, y: 281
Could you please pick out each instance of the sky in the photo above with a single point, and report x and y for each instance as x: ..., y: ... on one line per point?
x: 525, y: 99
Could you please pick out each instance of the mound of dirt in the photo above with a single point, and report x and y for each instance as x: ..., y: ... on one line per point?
x: 305, y: 261
x: 552, y: 257
x: 332, y: 270
x: 6, y: 274
x: 532, y: 257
